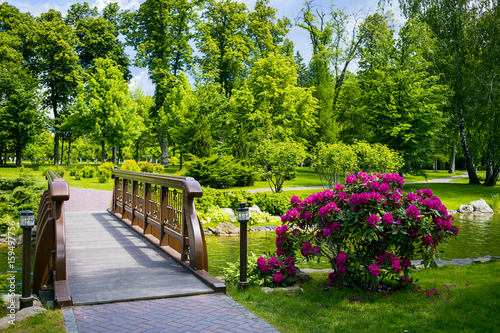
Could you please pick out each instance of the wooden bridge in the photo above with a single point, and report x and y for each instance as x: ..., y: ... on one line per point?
x: 148, y: 244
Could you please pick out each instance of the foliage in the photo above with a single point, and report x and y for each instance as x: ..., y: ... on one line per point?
x: 277, y: 160
x: 20, y: 116
x: 56, y: 168
x: 104, y: 106
x: 159, y: 168
x: 367, y: 230
x: 130, y: 165
x: 88, y: 171
x: 56, y: 63
x: 333, y: 160
x: 147, y: 167
x: 220, y: 171
x: 275, y: 204
x: 104, y: 171
x: 173, y: 160
x: 232, y: 271
x: 271, y: 107
x: 264, y: 218
x: 216, y: 215
x: 18, y: 194
x: 400, y: 94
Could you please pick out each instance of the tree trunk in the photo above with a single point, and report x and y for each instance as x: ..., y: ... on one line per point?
x: 103, y: 152
x: 114, y: 155
x: 69, y: 151
x: 180, y: 159
x: 492, y: 166
x: 137, y: 151
x: 62, y: 152
x: 453, y: 157
x: 56, y: 147
x: 473, y: 179
x: 163, y: 139
x: 18, y: 158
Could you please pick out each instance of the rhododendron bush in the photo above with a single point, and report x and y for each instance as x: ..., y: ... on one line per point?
x: 368, y: 230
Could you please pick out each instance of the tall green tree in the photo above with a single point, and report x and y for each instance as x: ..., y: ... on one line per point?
x: 271, y: 106
x: 404, y: 103
x: 57, y: 67
x: 160, y: 33
x: 449, y: 20
x: 20, y: 116
x: 105, y: 109
x: 335, y: 44
x: 224, y: 43
x: 98, y: 35
x: 484, y: 79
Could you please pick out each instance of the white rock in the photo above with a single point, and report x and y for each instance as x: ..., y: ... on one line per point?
x: 480, y: 206
x: 465, y: 209
x: 230, y: 212
x: 254, y: 210
x: 21, y: 315
x: 289, y: 290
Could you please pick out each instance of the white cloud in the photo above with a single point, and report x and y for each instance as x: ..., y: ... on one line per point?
x: 141, y: 79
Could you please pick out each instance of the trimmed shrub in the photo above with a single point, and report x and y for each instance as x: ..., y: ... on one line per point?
x: 88, y: 171
x: 159, y: 168
x: 220, y: 171
x: 130, y: 165
x: 147, y: 167
x: 56, y: 168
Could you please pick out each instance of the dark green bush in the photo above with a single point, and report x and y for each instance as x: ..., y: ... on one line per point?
x: 20, y: 194
x: 220, y: 171
x: 274, y: 203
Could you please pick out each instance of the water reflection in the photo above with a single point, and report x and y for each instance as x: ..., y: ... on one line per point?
x: 479, y: 235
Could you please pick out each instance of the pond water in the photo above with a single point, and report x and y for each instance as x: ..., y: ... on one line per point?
x: 479, y: 236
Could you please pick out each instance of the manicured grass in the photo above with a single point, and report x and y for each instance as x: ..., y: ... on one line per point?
x: 51, y: 321
x: 454, y: 194
x: 304, y: 177
x: 429, y: 174
x: 469, y: 301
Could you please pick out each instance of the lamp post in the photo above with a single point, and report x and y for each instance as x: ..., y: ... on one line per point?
x: 27, y: 222
x: 243, y: 217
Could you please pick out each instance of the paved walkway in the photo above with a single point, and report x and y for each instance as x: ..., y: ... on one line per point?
x: 300, y: 188
x: 86, y: 215
x: 204, y: 313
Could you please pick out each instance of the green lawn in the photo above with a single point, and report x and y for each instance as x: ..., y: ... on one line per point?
x: 469, y: 302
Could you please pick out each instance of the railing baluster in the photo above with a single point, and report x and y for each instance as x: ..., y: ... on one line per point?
x: 179, y: 232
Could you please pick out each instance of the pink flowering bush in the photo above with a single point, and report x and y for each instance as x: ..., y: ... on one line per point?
x: 368, y: 231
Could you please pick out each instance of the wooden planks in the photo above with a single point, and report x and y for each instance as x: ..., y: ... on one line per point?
x: 108, y: 262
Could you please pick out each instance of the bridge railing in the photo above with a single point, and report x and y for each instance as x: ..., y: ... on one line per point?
x: 162, y: 209
x: 49, y: 272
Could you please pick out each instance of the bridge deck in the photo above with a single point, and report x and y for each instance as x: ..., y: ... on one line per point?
x: 109, y: 262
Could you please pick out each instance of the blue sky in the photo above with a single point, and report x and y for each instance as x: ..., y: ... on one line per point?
x: 288, y: 8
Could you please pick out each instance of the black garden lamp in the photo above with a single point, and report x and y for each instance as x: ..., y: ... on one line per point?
x: 243, y: 217
x: 27, y: 222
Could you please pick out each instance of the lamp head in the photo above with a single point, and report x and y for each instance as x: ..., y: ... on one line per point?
x: 27, y: 219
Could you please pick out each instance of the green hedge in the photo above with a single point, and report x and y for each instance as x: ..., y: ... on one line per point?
x: 274, y: 203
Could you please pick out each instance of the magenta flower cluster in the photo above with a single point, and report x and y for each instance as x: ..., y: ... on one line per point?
x: 279, y: 269
x: 367, y: 222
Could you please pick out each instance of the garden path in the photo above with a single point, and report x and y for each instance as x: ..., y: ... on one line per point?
x: 95, y: 245
x: 300, y: 188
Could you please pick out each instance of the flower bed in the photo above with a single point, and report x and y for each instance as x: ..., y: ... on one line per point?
x: 368, y: 230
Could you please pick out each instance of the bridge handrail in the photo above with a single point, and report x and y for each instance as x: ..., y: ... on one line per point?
x: 150, y: 204
x: 50, y: 248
